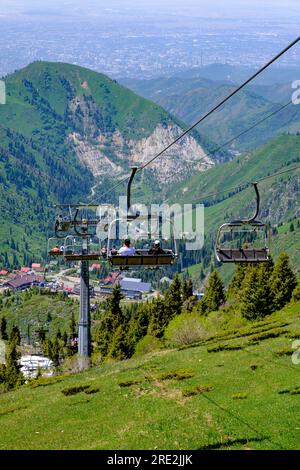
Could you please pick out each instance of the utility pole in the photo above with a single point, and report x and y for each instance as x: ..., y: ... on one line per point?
x: 84, y: 336
x: 78, y: 223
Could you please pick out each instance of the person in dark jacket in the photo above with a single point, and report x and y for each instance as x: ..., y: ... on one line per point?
x: 156, y: 249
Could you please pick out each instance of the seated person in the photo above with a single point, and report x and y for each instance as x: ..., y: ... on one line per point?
x: 127, y: 249
x: 55, y: 250
x: 156, y: 249
x: 104, y: 251
x: 114, y: 250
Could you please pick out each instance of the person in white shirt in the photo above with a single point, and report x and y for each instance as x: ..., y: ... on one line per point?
x: 127, y: 249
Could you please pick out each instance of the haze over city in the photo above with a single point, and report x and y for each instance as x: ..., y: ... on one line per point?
x: 145, y: 38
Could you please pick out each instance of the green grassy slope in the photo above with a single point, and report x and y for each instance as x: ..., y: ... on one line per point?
x: 46, y: 103
x: 189, y: 98
x: 235, y: 399
x: 56, y: 82
x: 284, y: 240
x: 48, y: 311
x: 280, y: 196
x: 269, y: 158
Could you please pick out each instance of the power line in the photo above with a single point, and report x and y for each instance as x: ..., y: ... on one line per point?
x: 241, y: 420
x: 237, y: 90
x: 241, y: 188
x: 199, y: 121
x: 217, y: 149
x: 252, y: 127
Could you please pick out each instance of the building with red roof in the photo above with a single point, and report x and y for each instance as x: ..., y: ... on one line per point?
x: 23, y: 282
x: 95, y: 266
x: 110, y: 279
x: 24, y: 270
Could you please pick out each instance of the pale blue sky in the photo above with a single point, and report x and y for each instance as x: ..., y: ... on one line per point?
x: 226, y: 8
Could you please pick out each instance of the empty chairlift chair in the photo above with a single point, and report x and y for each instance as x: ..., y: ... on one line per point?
x: 81, y: 250
x: 243, y: 241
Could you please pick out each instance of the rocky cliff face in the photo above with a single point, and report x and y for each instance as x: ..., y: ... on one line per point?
x: 112, y: 155
x: 78, y: 118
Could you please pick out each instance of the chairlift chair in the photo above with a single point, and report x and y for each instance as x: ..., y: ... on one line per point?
x: 55, y: 247
x: 142, y: 257
x: 244, y: 241
x: 81, y: 250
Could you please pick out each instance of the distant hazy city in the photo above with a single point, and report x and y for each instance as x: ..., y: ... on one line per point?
x: 142, y: 44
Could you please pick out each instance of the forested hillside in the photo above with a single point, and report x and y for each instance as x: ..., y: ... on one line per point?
x: 191, y: 97
x: 66, y: 133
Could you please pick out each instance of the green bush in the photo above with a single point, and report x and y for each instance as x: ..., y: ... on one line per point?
x: 296, y: 293
x: 268, y: 334
x: 74, y: 390
x: 239, y: 396
x: 290, y: 391
x: 130, y: 383
x: 91, y: 391
x: 44, y: 381
x: 294, y: 334
x: 190, y: 392
x: 147, y: 345
x: 179, y: 374
x: 184, y: 329
x: 224, y: 347
x: 284, y: 352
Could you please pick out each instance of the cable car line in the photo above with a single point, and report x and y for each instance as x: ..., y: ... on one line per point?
x: 217, y: 149
x: 215, y: 108
x: 246, y: 185
x: 66, y: 223
x: 238, y: 418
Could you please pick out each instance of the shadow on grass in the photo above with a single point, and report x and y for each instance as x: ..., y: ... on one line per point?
x: 230, y: 442
x: 13, y: 410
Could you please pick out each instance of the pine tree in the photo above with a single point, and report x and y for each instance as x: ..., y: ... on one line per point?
x: 173, y: 297
x: 2, y: 373
x: 234, y: 288
x: 73, y: 327
x: 283, y: 282
x: 55, y: 352
x: 65, y: 339
x: 13, y: 375
x: 256, y: 294
x: 159, y: 318
x: 138, y: 325
x: 296, y: 293
x: 47, y: 348
x: 112, y: 319
x: 187, y: 289
x: 214, y: 294
x: 3, y: 329
x: 15, y: 335
x: 119, y: 348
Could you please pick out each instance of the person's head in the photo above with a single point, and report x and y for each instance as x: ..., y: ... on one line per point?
x: 127, y: 243
x: 157, y: 243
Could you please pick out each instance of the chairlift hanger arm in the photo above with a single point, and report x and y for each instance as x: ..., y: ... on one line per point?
x: 133, y: 172
x: 253, y: 218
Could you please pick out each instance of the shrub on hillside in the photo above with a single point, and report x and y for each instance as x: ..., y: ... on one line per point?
x: 283, y: 282
x: 296, y: 293
x: 147, y: 345
x: 214, y: 295
x: 75, y: 365
x: 185, y: 329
